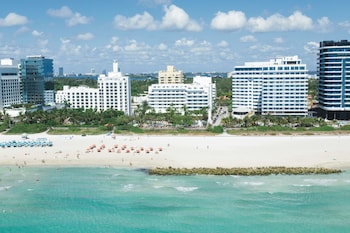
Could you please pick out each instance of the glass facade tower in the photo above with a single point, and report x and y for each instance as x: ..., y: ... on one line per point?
x: 334, y: 79
x: 34, y: 71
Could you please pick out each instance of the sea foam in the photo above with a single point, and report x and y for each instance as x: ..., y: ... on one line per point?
x: 186, y: 189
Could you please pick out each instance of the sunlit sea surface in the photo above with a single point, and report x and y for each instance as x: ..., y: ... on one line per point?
x: 42, y: 199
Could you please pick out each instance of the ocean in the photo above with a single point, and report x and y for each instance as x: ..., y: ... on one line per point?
x: 107, y: 199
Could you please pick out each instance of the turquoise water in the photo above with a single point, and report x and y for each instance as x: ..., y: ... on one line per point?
x: 123, y: 200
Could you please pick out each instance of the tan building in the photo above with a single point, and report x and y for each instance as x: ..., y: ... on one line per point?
x: 170, y: 76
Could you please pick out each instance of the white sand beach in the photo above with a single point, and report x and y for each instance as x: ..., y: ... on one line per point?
x: 143, y: 151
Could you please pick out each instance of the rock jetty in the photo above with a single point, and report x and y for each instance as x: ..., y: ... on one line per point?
x: 250, y: 171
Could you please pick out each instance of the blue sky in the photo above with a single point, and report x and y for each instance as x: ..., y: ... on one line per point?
x: 148, y: 35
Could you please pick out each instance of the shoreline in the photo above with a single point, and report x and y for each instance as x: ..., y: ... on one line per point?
x: 180, y: 151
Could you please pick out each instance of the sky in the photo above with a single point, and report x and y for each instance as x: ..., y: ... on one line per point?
x: 148, y: 35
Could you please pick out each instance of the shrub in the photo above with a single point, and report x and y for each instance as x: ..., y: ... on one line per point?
x: 218, y: 129
x: 135, y: 129
x: 124, y: 127
x: 182, y: 130
x: 322, y: 128
x: 28, y: 128
x: 3, y: 127
x: 345, y: 127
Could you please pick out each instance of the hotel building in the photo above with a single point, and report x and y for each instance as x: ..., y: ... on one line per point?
x: 277, y: 87
x: 10, y: 86
x: 113, y: 92
x: 33, y: 72
x: 200, y: 94
x: 79, y: 97
x: 334, y: 79
x: 170, y: 75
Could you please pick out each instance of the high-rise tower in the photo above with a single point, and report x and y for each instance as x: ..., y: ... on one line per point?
x: 115, y: 90
x: 33, y: 72
x: 10, y: 89
x: 334, y: 79
x: 277, y: 87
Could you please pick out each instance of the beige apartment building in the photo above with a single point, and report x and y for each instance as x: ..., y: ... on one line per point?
x: 170, y: 76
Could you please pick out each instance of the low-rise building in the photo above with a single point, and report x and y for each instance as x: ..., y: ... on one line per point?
x: 79, y: 97
x: 196, y: 96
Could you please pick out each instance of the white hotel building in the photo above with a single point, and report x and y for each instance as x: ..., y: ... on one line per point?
x: 200, y: 94
x: 10, y: 84
x: 277, y: 87
x: 79, y: 97
x: 113, y: 92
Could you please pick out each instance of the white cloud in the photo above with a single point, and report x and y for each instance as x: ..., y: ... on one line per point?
x: 13, y: 19
x: 203, y: 47
x: 77, y: 18
x: 205, y: 43
x: 345, y: 25
x: 154, y: 2
x: 43, y: 43
x: 85, y: 36
x: 324, y: 22
x: 277, y: 22
x: 324, y: 25
x: 63, y: 12
x: 162, y: 46
x: 72, y: 18
x: 114, y: 40
x: 311, y: 47
x: 22, y: 30
x: 223, y: 44
x: 132, y: 46
x: 184, y: 42
x: 144, y: 21
x: 231, y: 20
x: 37, y: 33
x: 10, y: 51
x: 278, y: 40
x: 265, y: 48
x: 176, y: 18
x: 135, y: 46
x: 200, y: 50
x: 248, y: 38
x: 69, y: 48
x: 113, y: 45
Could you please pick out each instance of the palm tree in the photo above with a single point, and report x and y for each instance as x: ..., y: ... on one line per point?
x: 185, y: 110
x: 7, y: 120
x: 246, y: 121
x: 255, y: 119
x: 141, y: 111
x: 170, y: 113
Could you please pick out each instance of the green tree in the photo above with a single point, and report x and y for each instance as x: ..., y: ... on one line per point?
x: 140, y: 87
